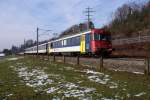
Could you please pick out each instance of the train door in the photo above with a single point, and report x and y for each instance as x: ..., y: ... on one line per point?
x: 46, y: 48
x: 49, y: 48
x: 88, y: 42
x: 82, y: 43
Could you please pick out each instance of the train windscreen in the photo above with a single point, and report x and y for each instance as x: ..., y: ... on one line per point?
x: 103, y: 37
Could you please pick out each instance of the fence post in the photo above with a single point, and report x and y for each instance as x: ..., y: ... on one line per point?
x: 42, y: 57
x: 48, y: 57
x: 147, y: 69
x: 78, y: 60
x: 38, y: 57
x: 54, y: 58
x: 101, y: 63
x: 64, y: 58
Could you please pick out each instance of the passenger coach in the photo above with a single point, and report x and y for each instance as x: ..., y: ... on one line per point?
x: 42, y: 49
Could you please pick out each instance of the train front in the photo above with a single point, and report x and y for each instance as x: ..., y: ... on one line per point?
x: 101, y: 42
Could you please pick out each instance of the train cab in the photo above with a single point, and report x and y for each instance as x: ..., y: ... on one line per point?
x: 101, y: 41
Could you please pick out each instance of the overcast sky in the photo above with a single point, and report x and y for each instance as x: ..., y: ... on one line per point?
x: 19, y: 18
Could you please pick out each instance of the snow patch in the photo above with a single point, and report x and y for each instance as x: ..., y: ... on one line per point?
x: 140, y: 94
x: 101, y: 78
x: 128, y: 95
x: 51, y: 90
x: 78, y: 92
x: 138, y: 73
x: 73, y: 90
x: 14, y: 58
x: 39, y: 80
x: 9, y: 95
x: 113, y: 85
x: 11, y: 59
x: 92, y: 72
x: 97, y: 79
x: 141, y: 73
x: 34, y: 77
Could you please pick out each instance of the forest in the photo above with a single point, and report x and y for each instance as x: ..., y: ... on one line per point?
x: 130, y: 20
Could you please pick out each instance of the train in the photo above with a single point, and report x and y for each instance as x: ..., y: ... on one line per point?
x: 91, y: 42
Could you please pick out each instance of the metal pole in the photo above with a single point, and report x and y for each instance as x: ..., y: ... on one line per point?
x: 24, y: 46
x: 48, y: 57
x: 54, y: 59
x: 78, y: 60
x: 64, y: 59
x: 101, y: 63
x: 139, y: 37
x: 147, y: 72
x: 148, y: 67
x: 37, y: 41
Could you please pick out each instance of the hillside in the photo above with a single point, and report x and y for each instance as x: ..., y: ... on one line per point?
x: 130, y: 20
x: 77, y: 28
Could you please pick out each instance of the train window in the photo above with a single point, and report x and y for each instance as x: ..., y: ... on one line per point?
x: 68, y: 42
x: 78, y: 40
x: 59, y: 43
x: 96, y: 36
x: 65, y: 42
x: 105, y: 37
x: 88, y: 37
x: 55, y: 44
x: 102, y: 37
x: 75, y: 40
x: 51, y: 45
x: 62, y: 42
x: 71, y: 41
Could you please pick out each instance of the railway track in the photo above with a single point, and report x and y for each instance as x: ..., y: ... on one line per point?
x: 132, y: 40
x: 128, y: 64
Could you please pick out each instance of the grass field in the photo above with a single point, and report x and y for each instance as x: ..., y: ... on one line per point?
x: 34, y: 79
